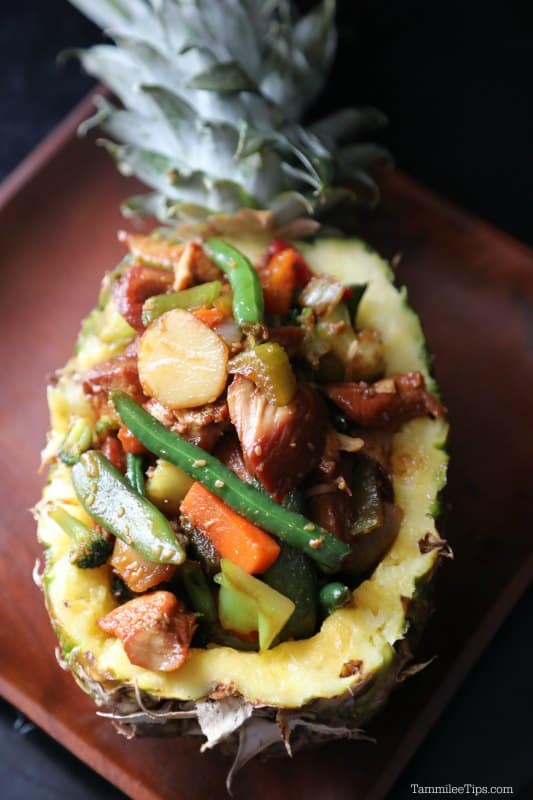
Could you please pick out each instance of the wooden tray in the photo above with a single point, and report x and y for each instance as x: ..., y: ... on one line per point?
x: 471, y: 285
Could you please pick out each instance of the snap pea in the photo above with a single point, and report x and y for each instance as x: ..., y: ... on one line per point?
x: 289, y: 526
x: 248, y: 303
x: 134, y: 472
x: 90, y: 547
x: 333, y: 596
x: 108, y: 498
x: 199, y: 296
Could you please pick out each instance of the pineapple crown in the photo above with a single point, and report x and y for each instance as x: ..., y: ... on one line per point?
x: 211, y: 97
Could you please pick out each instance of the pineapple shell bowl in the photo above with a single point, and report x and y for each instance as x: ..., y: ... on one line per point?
x: 299, y: 691
x: 296, y: 325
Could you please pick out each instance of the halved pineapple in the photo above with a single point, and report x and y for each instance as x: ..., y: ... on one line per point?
x: 327, y: 684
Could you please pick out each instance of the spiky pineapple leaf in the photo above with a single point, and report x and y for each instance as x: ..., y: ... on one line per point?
x: 223, y: 77
x: 211, y: 97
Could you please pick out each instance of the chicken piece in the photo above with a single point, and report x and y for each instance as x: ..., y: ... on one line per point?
x: 194, y: 267
x: 152, y: 249
x: 329, y: 458
x: 119, y: 372
x: 280, y: 444
x: 138, y: 573
x: 332, y: 511
x: 229, y: 452
x: 137, y: 285
x: 203, y: 426
x: 389, y: 401
x: 155, y: 630
x: 337, y: 511
x: 161, y: 412
x: 290, y: 337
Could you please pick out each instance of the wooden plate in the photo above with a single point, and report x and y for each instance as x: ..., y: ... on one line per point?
x: 473, y: 288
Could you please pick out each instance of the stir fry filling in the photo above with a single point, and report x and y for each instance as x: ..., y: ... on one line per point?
x: 236, y: 467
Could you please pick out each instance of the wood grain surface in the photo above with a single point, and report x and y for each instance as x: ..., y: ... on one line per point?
x: 473, y: 288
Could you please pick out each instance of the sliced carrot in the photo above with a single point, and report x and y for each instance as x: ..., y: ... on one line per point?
x: 278, y: 279
x: 210, y: 316
x: 138, y: 573
x: 233, y: 536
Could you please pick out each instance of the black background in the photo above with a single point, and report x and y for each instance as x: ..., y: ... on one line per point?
x: 455, y: 80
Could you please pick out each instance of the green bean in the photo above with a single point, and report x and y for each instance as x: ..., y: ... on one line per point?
x: 333, y: 596
x: 248, y: 303
x: 91, y: 548
x: 108, y: 498
x: 289, y: 526
x: 199, y: 296
x: 135, y: 472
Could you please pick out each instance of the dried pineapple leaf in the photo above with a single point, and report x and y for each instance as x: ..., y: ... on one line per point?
x: 219, y: 719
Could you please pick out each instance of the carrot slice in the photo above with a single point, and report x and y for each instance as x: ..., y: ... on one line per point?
x: 232, y: 535
x: 278, y: 280
x: 210, y: 316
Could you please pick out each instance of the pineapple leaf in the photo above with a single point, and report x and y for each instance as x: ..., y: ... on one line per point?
x: 356, y: 157
x: 315, y: 34
x: 210, y: 98
x: 152, y: 204
x: 348, y: 123
x: 223, y: 77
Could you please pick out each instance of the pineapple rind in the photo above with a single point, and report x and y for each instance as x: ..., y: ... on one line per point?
x: 372, y: 630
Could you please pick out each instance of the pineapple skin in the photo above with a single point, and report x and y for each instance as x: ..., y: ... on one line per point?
x: 300, y: 692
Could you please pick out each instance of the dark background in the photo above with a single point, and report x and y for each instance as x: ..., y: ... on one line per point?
x: 455, y: 80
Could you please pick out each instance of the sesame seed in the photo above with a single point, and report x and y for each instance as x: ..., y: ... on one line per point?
x: 200, y: 462
x: 385, y: 386
x: 258, y: 450
x: 316, y: 543
x: 309, y: 527
x: 219, y: 484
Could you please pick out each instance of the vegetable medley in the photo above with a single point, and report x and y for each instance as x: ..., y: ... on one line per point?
x: 237, y: 475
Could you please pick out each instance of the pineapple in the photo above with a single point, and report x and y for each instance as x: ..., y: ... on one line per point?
x: 211, y: 95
